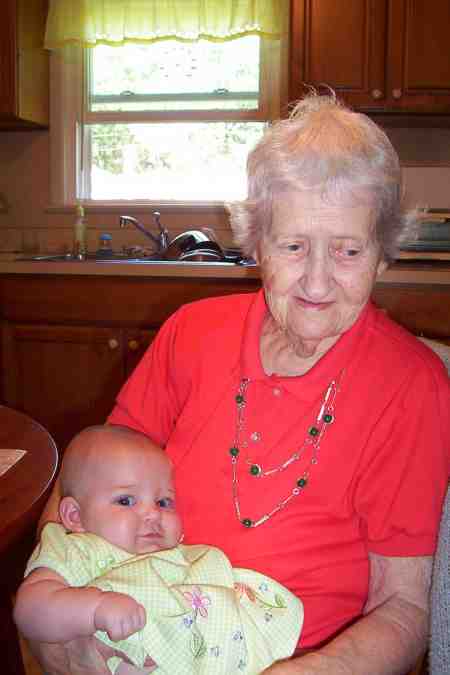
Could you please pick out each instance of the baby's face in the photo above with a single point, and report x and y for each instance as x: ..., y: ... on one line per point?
x: 131, y: 500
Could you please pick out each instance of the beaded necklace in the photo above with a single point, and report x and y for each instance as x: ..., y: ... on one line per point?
x: 313, y: 439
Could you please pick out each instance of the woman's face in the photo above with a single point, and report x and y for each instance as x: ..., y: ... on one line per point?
x: 319, y: 262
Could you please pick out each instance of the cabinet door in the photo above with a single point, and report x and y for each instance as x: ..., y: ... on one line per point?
x: 8, y: 60
x: 135, y: 344
x: 64, y: 377
x: 342, y: 45
x: 23, y: 65
x: 419, y: 55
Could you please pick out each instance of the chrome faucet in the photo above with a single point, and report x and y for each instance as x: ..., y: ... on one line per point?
x: 161, y: 241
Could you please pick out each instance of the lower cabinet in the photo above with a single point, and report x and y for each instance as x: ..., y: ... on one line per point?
x: 67, y: 377
x: 69, y: 343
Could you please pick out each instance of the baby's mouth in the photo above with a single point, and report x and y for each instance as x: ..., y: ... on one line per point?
x: 154, y: 534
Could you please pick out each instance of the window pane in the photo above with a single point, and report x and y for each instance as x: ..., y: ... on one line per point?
x: 172, y: 75
x: 175, y: 161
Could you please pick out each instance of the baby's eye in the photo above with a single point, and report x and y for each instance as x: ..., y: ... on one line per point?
x: 126, y: 500
x: 166, y: 503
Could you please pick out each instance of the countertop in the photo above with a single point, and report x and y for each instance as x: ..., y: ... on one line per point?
x: 12, y: 264
x: 404, y: 272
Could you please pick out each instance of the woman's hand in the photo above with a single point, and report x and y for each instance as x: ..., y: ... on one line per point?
x: 85, y: 656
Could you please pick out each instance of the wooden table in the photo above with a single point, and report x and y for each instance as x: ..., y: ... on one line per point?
x: 24, y: 489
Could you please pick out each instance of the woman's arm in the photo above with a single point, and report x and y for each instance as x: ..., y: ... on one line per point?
x: 391, y: 635
x: 72, y: 613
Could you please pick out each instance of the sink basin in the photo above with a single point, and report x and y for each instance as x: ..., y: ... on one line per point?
x: 91, y: 257
x: 199, y: 258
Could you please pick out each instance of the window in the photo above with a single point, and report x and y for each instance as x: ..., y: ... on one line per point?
x: 166, y: 121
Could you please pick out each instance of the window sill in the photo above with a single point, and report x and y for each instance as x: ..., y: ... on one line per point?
x: 138, y: 207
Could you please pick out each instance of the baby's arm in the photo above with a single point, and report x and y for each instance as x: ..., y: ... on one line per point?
x: 48, y: 610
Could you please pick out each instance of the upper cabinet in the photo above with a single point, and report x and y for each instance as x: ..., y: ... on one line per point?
x: 23, y: 65
x: 378, y: 55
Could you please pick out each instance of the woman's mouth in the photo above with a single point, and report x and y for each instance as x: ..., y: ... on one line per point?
x: 309, y: 304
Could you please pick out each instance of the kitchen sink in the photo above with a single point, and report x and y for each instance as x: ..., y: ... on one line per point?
x: 91, y: 257
x: 230, y: 257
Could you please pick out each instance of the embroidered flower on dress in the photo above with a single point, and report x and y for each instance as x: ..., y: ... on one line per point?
x: 198, y: 601
x: 105, y: 563
x: 242, y: 591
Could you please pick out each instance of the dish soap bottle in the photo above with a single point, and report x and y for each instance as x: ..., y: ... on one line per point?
x: 79, y: 234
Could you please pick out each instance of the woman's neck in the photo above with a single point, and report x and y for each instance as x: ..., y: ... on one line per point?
x: 286, y: 355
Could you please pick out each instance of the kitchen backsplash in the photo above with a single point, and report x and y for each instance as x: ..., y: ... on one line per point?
x: 27, y: 225
x: 427, y: 186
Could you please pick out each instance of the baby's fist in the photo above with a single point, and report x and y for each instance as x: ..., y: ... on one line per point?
x: 119, y: 615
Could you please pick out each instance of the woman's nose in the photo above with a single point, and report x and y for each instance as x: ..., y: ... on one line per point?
x: 316, y: 280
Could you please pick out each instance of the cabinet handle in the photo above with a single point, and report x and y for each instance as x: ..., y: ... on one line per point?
x: 397, y: 93
x: 113, y: 343
x: 133, y: 345
x: 377, y: 93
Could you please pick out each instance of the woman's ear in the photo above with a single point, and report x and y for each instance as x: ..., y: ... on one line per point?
x: 70, y: 514
x: 255, y: 254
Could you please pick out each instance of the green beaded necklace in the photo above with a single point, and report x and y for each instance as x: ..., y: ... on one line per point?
x: 313, y: 439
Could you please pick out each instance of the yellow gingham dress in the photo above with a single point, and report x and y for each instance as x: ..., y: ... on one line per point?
x: 204, y: 617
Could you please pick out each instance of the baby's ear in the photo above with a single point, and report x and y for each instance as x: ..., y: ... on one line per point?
x: 70, y: 514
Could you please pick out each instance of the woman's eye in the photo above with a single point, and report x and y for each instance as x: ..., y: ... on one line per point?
x: 166, y: 503
x: 295, y: 248
x: 126, y: 500
x: 348, y: 251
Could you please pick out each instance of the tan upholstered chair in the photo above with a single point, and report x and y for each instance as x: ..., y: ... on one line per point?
x: 441, y: 349
x: 439, y: 661
x: 440, y: 573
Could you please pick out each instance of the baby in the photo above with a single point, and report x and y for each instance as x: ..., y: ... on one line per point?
x: 115, y: 567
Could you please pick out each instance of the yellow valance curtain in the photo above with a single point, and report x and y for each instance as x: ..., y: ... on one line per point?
x: 90, y: 22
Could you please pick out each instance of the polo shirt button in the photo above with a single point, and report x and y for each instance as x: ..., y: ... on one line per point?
x: 276, y: 391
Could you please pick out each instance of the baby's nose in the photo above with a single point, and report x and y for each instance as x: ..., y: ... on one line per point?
x: 152, y: 512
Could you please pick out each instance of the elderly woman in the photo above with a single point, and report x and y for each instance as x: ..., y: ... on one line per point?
x: 315, y: 431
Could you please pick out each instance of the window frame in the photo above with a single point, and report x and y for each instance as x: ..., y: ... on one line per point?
x: 68, y: 113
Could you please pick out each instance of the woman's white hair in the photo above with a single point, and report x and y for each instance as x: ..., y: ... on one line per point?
x: 324, y: 145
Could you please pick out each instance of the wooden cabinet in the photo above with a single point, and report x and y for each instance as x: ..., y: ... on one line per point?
x: 67, y: 377
x: 63, y: 375
x: 69, y: 343
x: 23, y: 65
x: 378, y: 55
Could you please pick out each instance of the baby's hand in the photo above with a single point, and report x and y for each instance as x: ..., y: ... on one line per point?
x: 119, y: 615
